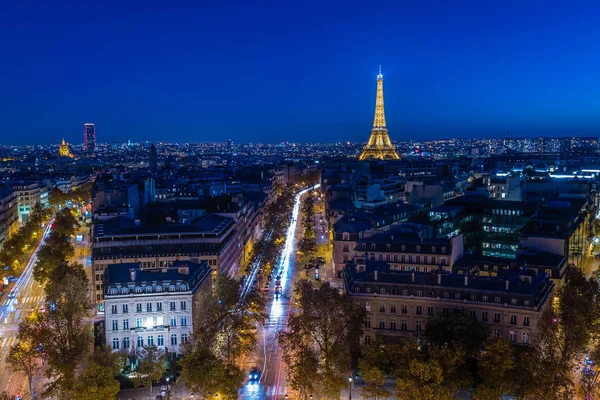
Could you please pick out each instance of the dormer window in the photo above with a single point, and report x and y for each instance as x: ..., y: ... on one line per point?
x: 138, y: 289
x: 124, y: 290
x: 418, y: 249
x: 433, y: 249
x: 403, y: 248
x: 345, y: 236
x: 158, y: 288
x: 148, y: 289
x: 443, y: 249
x: 372, y: 246
x: 388, y: 247
x: 113, y: 291
x: 171, y: 288
x: 183, y: 287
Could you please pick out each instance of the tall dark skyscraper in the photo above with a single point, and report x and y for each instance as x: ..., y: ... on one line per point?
x: 153, y: 158
x: 89, y: 137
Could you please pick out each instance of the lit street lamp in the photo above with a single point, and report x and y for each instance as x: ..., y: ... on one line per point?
x: 349, y: 388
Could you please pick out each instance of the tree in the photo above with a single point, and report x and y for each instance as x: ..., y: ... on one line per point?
x: 98, y: 380
x: 564, y: 331
x: 63, y: 332
x: 328, y: 326
x: 374, y: 365
x: 457, y: 329
x: 206, y: 374
x: 56, y: 251
x: 423, y: 381
x: 151, y: 368
x: 494, y: 366
x: 24, y: 357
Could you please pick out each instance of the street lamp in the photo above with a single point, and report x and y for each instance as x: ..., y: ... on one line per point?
x: 350, y: 388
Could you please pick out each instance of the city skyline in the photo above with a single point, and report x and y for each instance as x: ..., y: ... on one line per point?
x: 280, y: 72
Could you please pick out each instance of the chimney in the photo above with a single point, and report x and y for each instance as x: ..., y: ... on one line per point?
x: 183, y: 269
x: 466, y: 280
x: 507, y: 284
x: 132, y: 274
x: 375, y: 275
x: 439, y: 279
x: 413, y: 277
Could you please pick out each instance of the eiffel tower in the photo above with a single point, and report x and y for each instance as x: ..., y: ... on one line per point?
x: 379, y: 144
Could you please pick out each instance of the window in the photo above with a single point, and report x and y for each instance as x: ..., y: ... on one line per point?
x: 115, y: 325
x: 368, y: 322
x: 115, y: 343
x: 457, y: 296
x: 404, y: 292
x: 403, y: 325
x: 125, y: 308
x: 419, y: 293
x: 173, y: 321
x: 126, y: 344
x: 183, y: 321
x: 124, y: 290
x: 125, y: 324
x: 158, y: 288
x: 446, y: 295
x: 393, y: 308
x: 172, y: 306
x: 496, y: 317
x: 484, y: 315
x: 140, y: 341
x: 183, y: 287
x: 150, y: 341
x: 473, y: 297
x: 171, y: 288
x: 138, y: 307
x: 525, y: 321
x: 418, y: 249
x: 443, y: 261
x: 139, y: 322
x: 183, y: 305
x: 113, y: 309
x: 526, y: 303
x: 184, y: 338
x: 525, y: 337
x: 403, y: 248
x: 138, y: 290
x: 426, y: 259
x: 158, y: 306
x: 433, y: 249
x: 497, y: 299
x: 513, y: 302
x: 381, y: 324
x: 393, y: 324
x: 113, y: 291
x: 496, y: 332
x: 443, y: 251
x: 367, y: 339
x: 419, y: 326
x: 148, y: 307
x: 173, y: 340
x: 419, y: 310
x: 148, y: 289
x: 513, y: 319
x: 430, y: 311
x: 160, y: 340
x: 404, y: 309
x: 512, y: 336
x: 484, y: 299
x: 382, y: 308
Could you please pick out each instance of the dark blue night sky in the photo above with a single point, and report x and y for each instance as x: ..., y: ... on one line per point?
x: 297, y: 70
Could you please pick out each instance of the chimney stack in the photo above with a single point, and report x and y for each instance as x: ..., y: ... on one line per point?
x: 375, y: 275
x: 466, y: 280
x: 132, y: 274
x: 507, y: 284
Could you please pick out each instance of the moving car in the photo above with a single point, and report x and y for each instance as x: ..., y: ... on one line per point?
x: 254, y: 375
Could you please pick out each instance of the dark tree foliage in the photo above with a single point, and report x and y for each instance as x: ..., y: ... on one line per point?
x: 456, y: 329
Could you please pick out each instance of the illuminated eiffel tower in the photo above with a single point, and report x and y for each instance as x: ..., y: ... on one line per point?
x: 379, y: 144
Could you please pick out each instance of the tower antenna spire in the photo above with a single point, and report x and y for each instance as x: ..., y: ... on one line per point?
x: 380, y: 71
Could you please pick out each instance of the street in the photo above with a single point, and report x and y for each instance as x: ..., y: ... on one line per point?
x: 25, y: 297
x: 268, y: 357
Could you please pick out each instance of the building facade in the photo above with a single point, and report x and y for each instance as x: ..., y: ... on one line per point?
x: 9, y: 217
x: 152, y: 307
x: 399, y: 303
x: 120, y: 240
x: 28, y: 194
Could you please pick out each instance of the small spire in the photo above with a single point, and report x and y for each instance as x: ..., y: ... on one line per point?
x: 379, y: 69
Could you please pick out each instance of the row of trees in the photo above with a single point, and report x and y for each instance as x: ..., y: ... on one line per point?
x: 57, y: 198
x: 307, y: 245
x: 60, y: 336
x: 17, y: 246
x: 223, y: 333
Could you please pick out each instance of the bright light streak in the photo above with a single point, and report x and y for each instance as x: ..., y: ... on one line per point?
x: 286, y: 257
